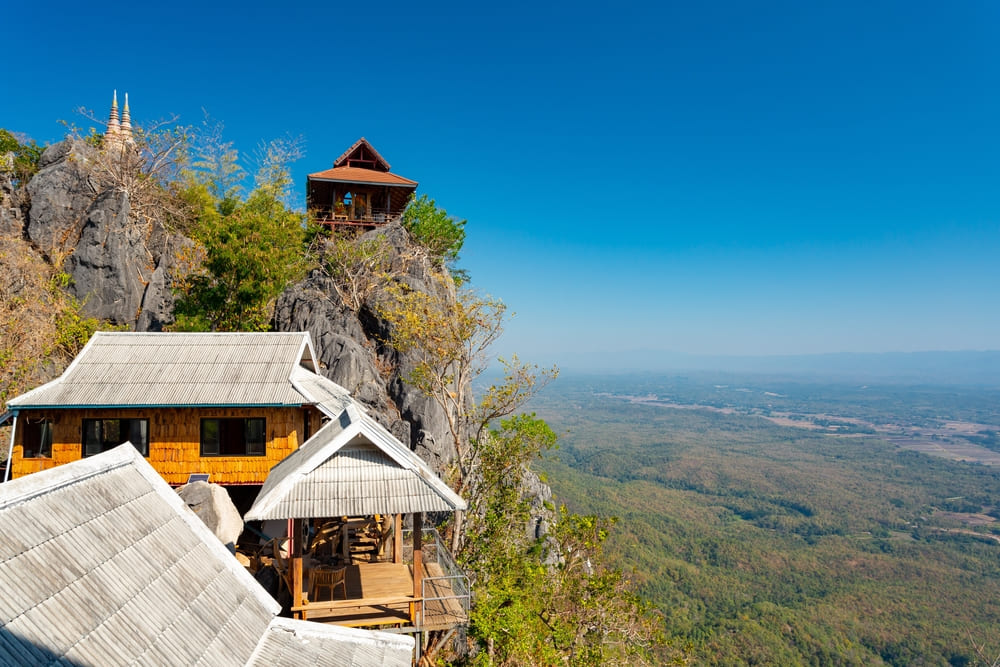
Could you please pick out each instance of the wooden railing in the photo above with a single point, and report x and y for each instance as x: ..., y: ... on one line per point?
x: 372, y: 218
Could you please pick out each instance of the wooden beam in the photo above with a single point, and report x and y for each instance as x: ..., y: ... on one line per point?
x: 418, y: 563
x: 296, y: 564
x: 397, y: 538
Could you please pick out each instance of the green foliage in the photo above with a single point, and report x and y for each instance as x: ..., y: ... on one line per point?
x: 548, y: 601
x: 250, y: 250
x: 432, y: 227
x: 24, y: 156
x: 250, y: 256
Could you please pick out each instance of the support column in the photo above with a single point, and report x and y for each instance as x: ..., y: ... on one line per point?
x: 10, y: 450
x: 295, y: 563
x: 397, y: 538
x: 418, y: 564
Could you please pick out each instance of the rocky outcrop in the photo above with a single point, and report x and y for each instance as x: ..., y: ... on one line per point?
x: 351, y: 349
x: 121, y: 269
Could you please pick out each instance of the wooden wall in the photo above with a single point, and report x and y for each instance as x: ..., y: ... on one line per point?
x: 174, y: 441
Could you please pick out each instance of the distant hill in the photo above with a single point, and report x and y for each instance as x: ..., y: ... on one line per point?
x: 962, y: 367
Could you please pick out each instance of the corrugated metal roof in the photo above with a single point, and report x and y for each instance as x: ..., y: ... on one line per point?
x: 290, y: 643
x: 102, y: 563
x: 128, y: 369
x: 327, y: 395
x: 352, y: 466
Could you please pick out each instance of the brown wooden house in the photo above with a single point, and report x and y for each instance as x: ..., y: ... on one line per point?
x: 359, y: 190
x: 229, y: 405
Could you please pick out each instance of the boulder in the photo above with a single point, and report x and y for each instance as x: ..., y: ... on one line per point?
x: 213, y: 506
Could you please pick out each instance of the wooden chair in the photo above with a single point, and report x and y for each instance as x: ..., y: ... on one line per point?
x: 327, y: 578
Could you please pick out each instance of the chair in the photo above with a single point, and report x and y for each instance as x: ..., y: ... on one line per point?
x: 327, y: 578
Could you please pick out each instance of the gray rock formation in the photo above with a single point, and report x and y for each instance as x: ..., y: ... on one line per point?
x: 11, y: 200
x: 212, y: 505
x: 121, y: 269
x: 351, y: 350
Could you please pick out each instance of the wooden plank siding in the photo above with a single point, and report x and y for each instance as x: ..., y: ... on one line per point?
x: 175, y: 441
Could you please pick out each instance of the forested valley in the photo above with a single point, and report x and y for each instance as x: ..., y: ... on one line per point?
x: 766, y: 543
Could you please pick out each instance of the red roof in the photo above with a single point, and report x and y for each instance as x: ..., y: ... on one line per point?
x: 359, y: 175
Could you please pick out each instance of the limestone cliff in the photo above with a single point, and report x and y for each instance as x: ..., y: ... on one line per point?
x: 121, y: 268
x: 350, y: 346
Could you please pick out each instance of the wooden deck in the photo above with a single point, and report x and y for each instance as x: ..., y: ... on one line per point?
x: 381, y: 594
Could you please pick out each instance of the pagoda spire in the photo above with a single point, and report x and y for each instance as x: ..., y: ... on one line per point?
x: 126, y: 126
x: 114, y: 126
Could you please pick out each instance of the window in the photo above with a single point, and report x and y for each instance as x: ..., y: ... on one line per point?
x: 36, y: 439
x: 233, y: 437
x: 100, y: 435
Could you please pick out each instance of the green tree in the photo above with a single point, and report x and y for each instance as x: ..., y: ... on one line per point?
x: 251, y: 250
x: 432, y: 227
x: 19, y: 156
x: 548, y: 600
x: 250, y: 256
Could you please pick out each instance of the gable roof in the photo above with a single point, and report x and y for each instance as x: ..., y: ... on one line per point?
x: 352, y: 467
x: 357, y: 147
x: 377, y: 174
x: 103, y: 563
x: 140, y: 369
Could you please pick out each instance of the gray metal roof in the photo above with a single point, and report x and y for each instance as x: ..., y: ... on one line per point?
x: 350, y: 467
x: 102, y: 563
x: 290, y: 643
x: 130, y: 369
x: 326, y: 394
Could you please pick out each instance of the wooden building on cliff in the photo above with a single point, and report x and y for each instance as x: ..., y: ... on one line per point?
x: 229, y: 405
x: 359, y: 190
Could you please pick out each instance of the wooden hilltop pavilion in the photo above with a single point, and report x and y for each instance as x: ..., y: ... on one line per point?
x: 359, y: 190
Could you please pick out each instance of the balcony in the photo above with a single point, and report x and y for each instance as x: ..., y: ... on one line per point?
x: 381, y: 593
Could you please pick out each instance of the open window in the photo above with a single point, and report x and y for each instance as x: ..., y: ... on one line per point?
x: 233, y: 437
x: 36, y: 439
x: 100, y: 435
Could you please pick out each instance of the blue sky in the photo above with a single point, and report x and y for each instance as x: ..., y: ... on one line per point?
x: 705, y: 178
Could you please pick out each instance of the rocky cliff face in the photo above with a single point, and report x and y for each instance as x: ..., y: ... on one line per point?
x: 349, y: 344
x: 121, y: 269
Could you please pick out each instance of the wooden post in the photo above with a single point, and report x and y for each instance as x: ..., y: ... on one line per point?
x: 295, y: 562
x: 418, y: 563
x: 397, y: 538
x: 345, y: 545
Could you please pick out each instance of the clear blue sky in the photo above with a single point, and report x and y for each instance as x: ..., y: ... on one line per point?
x: 710, y: 178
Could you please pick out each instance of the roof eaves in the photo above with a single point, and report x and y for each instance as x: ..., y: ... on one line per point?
x: 148, y: 406
x: 408, y: 183
x: 301, y: 462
